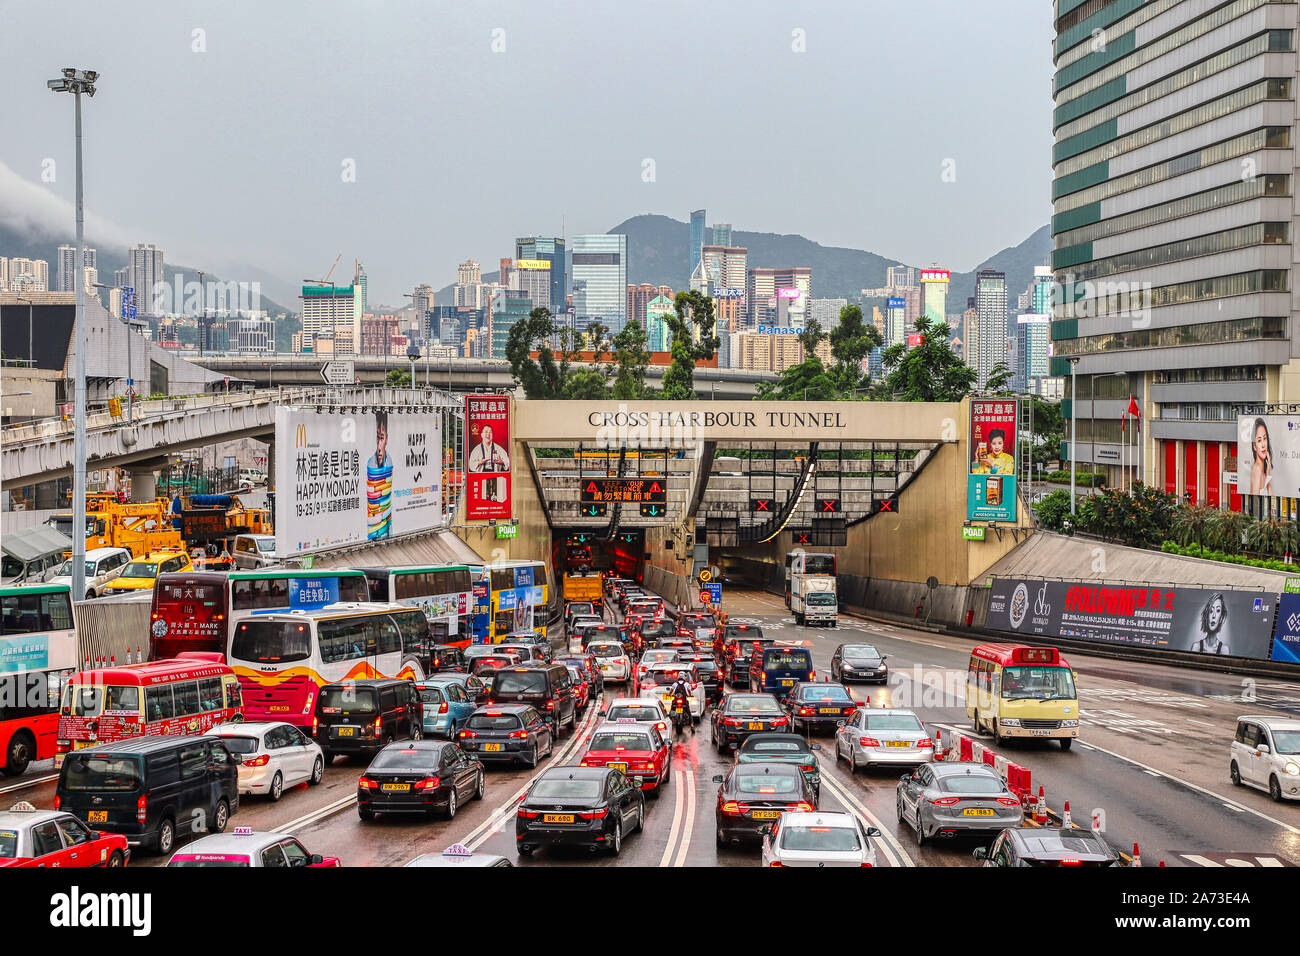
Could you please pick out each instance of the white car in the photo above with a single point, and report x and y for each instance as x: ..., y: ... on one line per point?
x: 1265, y: 753
x: 273, y: 755
x: 245, y: 848
x: 102, y: 566
x: 615, y: 665
x: 658, y: 680
x: 821, y: 838
x: 642, y: 709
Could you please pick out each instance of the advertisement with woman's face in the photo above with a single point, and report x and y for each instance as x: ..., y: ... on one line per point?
x: 1268, y: 455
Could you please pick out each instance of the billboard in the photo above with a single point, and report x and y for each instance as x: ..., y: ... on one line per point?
x: 532, y: 263
x: 728, y: 293
x: 895, y: 303
x: 1197, y: 620
x: 935, y: 275
x: 786, y: 293
x: 1268, y: 455
x: 991, y: 483
x: 487, y: 457
x: 1286, y: 636
x: 343, y: 479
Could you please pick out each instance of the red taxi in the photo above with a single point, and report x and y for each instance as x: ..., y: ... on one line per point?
x: 638, y: 749
x: 31, y: 837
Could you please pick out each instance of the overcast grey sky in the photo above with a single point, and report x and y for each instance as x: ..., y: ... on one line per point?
x: 234, y: 156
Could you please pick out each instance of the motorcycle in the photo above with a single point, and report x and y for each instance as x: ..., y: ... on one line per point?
x: 681, y: 715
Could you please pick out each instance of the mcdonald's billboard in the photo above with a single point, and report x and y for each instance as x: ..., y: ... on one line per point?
x: 345, y: 479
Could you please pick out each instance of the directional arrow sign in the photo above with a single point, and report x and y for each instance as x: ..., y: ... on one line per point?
x: 653, y: 511
x: 593, y: 511
x: 338, y: 372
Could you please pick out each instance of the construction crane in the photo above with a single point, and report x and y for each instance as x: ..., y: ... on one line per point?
x: 325, y: 280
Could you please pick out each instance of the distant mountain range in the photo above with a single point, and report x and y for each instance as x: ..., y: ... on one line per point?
x: 658, y: 253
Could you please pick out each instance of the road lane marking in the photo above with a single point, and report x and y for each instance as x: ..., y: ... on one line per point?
x: 678, y: 799
x: 24, y: 784
x: 688, y: 828
x: 888, y: 842
x: 318, y: 814
x: 1234, y: 809
x: 1203, y: 723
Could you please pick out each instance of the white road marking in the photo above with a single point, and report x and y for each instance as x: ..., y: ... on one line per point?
x: 893, y: 850
x: 318, y: 814
x: 679, y: 798
x: 688, y: 827
x: 24, y: 784
x: 1234, y: 809
x: 1203, y: 723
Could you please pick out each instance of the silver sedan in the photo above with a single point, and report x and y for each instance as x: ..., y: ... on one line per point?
x: 882, y: 735
x: 945, y: 799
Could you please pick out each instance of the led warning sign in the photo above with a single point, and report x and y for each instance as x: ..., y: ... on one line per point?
x: 633, y: 490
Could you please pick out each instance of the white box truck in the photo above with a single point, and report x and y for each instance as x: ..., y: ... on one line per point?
x: 813, y: 599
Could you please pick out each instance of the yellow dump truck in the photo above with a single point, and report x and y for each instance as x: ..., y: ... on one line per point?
x: 584, y: 587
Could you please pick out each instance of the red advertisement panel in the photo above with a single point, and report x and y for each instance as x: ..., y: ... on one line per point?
x: 487, y: 457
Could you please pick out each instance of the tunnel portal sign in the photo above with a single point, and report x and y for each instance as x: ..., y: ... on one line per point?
x: 632, y: 490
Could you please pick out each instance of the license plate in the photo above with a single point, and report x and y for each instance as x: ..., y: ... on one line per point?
x: 828, y: 710
x: 97, y: 816
x: 557, y: 818
x: 492, y: 748
x: 897, y: 743
x: 975, y: 812
x: 618, y: 766
x: 787, y: 682
x: 1040, y: 733
x: 345, y: 731
x: 394, y: 787
x: 765, y: 814
x: 753, y: 726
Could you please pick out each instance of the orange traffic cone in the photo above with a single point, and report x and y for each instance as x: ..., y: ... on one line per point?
x: 1065, y: 817
x: 1040, y: 811
x: 1137, y: 857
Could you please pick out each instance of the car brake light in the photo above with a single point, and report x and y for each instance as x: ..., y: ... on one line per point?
x: 731, y: 806
x: 443, y: 708
x: 141, y: 808
x: 868, y: 742
x: 1008, y: 802
x: 803, y: 806
x: 776, y: 863
x: 866, y: 864
x: 379, y: 725
x: 261, y: 761
x: 805, y: 711
x: 594, y: 814
x: 925, y: 742
x: 779, y: 722
x: 550, y: 705
x: 314, y: 726
x: 528, y: 814
x: 365, y: 783
x: 518, y: 734
x: 807, y: 768
x: 428, y: 783
x: 945, y: 801
x: 762, y: 677
x: 58, y: 801
x: 466, y: 733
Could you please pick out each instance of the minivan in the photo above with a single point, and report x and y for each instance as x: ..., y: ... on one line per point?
x: 102, y: 566
x: 547, y: 687
x: 253, y: 551
x: 364, y: 716
x: 775, y: 670
x: 149, y: 789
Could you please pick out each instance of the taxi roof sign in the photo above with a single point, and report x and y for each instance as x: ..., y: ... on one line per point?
x: 243, y: 831
x: 458, y: 850
x: 22, y: 807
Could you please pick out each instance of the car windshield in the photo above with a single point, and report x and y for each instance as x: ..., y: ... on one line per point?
x: 430, y: 695
x: 140, y: 569
x: 901, y: 722
x: 743, y: 630
x: 606, y: 650
x: 1287, y: 741
x: 774, y: 747
x: 699, y: 620
x: 8, y: 844
x: 485, y: 665
x: 832, y: 692
x: 1038, y: 683
x: 634, y: 712
x: 478, y: 650
x: 65, y: 569
x: 211, y: 862
x: 658, y: 656
x: 575, y: 673
x: 787, y: 660
x: 581, y: 607
x: 280, y: 642
x: 563, y: 788
x: 973, y: 783
x: 861, y: 652
x: 620, y: 740
x: 86, y: 700
x: 495, y: 721
x: 101, y: 773
x: 398, y: 757
x: 346, y: 699
x: 265, y: 544
x: 753, y: 705
x: 820, y: 598
x: 764, y: 784
x: 826, y: 839
x: 240, y: 745
x: 519, y: 682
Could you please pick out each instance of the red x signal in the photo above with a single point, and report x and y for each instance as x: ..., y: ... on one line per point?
x: 761, y: 504
x: 829, y: 504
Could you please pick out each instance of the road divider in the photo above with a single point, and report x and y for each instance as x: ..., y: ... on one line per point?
x: 961, y: 747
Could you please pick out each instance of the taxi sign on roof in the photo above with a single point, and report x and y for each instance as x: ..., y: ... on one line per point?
x: 22, y: 807
x: 458, y: 849
x: 243, y: 831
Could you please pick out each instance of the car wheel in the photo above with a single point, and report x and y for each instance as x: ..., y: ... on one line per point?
x: 898, y: 806
x: 417, y: 733
x: 90, y: 595
x: 221, y: 817
x: 22, y: 747
x: 997, y: 734
x: 640, y: 817
x: 1066, y: 742
x: 1274, y: 789
x: 920, y: 833
x: 365, y: 813
x: 720, y: 838
x: 451, y: 803
x: 166, y: 839
x: 525, y: 850
x: 1235, y: 774
x: 277, y: 787
x: 616, y: 846
x: 115, y: 860
x: 480, y: 785
x: 531, y: 762
x: 317, y: 772
x: 853, y: 760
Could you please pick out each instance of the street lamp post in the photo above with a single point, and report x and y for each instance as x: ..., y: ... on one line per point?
x: 1074, y: 418
x: 77, y: 82
x: 413, y: 353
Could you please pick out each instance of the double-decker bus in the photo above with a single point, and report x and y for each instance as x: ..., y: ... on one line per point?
x: 283, y: 658
x: 1017, y: 691
x: 443, y: 592
x: 198, y: 610
x: 38, y: 652
x: 187, y: 695
x: 518, y: 589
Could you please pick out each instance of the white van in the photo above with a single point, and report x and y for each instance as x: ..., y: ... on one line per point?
x: 102, y: 566
x: 1265, y: 754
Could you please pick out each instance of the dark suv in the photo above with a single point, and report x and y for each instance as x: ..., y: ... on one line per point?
x: 547, y: 687
x: 364, y: 716
x: 737, y: 654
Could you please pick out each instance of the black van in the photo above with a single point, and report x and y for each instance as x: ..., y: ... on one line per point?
x: 149, y: 789
x: 363, y: 716
x: 547, y: 687
x: 775, y: 670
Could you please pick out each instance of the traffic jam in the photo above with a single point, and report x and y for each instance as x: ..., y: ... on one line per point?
x: 633, y: 731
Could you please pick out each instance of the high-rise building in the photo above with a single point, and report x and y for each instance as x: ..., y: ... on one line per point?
x: 4, y: 274
x: 760, y: 352
x: 1173, y: 210
x: 600, y: 281
x: 899, y: 277
x: 29, y: 275
x: 146, y: 269
x: 469, y: 273
x: 657, y: 335
x: 1033, y: 339
x: 727, y: 268
x: 509, y: 306
x: 359, y: 282
x: 468, y: 290
x: 332, y: 312
x: 697, y: 239
x: 827, y: 312
x: 378, y: 333
x: 638, y: 296
x: 121, y: 277
x: 552, y: 250
x: 779, y: 297
x: 252, y: 335
x: 895, y: 331
x: 991, y: 322
x: 67, y: 266
x: 533, y: 276
x: 720, y: 234
x: 934, y: 294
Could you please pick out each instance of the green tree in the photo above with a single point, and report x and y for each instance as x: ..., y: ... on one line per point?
x: 541, y: 377
x: 1054, y: 511
x: 930, y: 371
x: 999, y: 378
x: 694, y: 316
x: 630, y: 360
x: 586, y: 383
x: 852, y: 340
x: 397, y: 377
x: 1142, y: 518
x: 1048, y: 433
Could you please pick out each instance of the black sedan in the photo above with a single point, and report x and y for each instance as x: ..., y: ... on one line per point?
x: 863, y: 662
x: 818, y: 706
x: 739, y: 715
x: 754, y: 795
x: 419, y: 776
x: 708, y: 669
x: 784, y: 748
x: 507, y: 733
x: 593, y: 807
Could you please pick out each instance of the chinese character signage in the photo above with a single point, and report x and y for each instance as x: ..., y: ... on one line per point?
x: 487, y: 457
x: 631, y: 490
x: 23, y: 653
x: 310, y: 593
x: 345, y: 479
x: 991, y: 483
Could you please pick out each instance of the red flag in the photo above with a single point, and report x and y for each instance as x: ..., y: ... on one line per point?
x: 1135, y: 412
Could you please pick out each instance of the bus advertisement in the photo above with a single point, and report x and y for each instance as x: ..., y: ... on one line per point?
x: 443, y: 592
x: 38, y: 651
x: 518, y: 589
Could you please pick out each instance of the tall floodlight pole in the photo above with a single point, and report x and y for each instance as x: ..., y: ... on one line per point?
x: 1074, y: 417
x: 77, y: 82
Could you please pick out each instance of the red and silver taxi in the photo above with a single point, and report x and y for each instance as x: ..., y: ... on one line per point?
x: 31, y: 837
x: 243, y: 848
x: 634, y: 747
